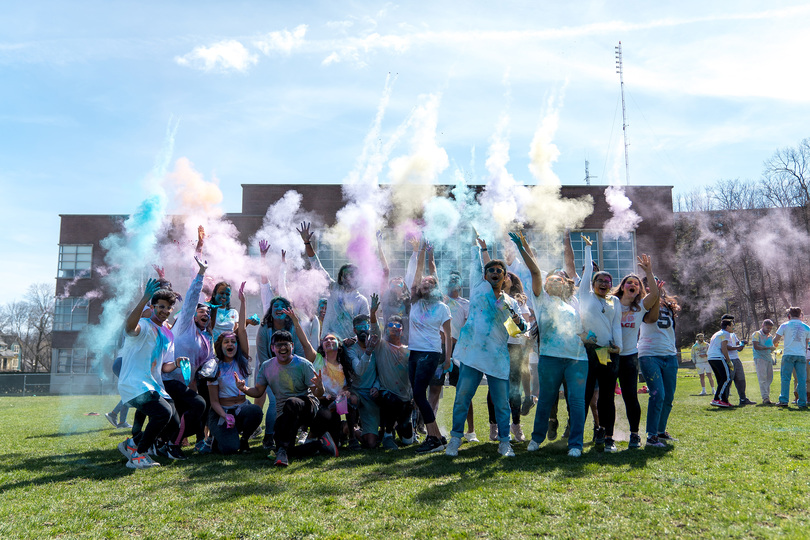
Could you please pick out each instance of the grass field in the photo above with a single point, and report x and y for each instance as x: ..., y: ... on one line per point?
x: 738, y: 473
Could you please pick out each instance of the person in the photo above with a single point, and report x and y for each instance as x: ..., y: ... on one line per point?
x: 192, y: 341
x: 797, y: 336
x: 601, y: 315
x: 482, y: 347
x: 624, y: 365
x: 701, y: 359
x: 148, y: 341
x: 396, y: 397
x: 223, y: 317
x: 721, y: 363
x: 118, y: 416
x: 459, y: 312
x: 561, y: 352
x: 231, y: 418
x: 762, y: 341
x: 332, y: 362
x: 734, y: 348
x: 658, y: 360
x: 345, y: 302
x: 430, y: 323
x: 297, y: 388
x: 364, y: 386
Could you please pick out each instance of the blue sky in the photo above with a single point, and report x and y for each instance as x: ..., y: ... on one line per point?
x: 286, y: 92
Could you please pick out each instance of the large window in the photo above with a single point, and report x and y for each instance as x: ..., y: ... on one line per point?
x: 70, y: 314
x: 71, y: 360
x: 75, y: 261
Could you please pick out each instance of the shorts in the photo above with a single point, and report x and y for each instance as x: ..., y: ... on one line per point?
x: 703, y: 367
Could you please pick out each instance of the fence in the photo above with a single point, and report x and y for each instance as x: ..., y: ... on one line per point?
x: 25, y: 384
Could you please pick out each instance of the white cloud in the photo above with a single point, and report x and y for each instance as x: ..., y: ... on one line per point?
x: 355, y: 50
x: 282, y: 41
x: 223, y: 56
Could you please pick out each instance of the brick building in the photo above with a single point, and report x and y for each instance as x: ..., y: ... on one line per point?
x: 80, y: 253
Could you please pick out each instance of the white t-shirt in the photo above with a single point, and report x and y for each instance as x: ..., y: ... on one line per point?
x: 142, y: 359
x: 658, y: 338
x: 559, y: 325
x: 715, y: 351
x: 631, y: 325
x: 426, y: 321
x: 226, y: 319
x: 795, y: 334
x: 734, y: 341
x: 459, y: 310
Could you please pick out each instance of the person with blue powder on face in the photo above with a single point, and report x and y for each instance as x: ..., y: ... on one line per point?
x: 482, y: 347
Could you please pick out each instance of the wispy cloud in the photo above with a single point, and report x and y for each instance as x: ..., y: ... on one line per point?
x: 225, y: 55
x: 282, y: 41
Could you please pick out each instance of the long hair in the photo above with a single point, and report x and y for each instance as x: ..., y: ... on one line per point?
x: 516, y: 291
x: 618, y: 292
x: 242, y: 361
x: 434, y: 295
x: 342, y: 358
x: 670, y: 302
x: 341, y: 277
x: 267, y: 321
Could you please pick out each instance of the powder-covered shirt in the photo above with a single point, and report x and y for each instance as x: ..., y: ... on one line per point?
x: 392, y: 369
x: 602, y: 316
x: 263, y: 336
x: 459, y: 311
x: 795, y: 335
x: 142, y: 358
x: 286, y: 380
x: 426, y: 322
x: 226, y: 320
x: 658, y: 338
x: 559, y: 325
x: 342, y: 306
x: 734, y: 341
x: 700, y: 352
x: 364, y: 367
x: 765, y: 341
x: 189, y: 341
x: 225, y: 382
x: 332, y: 376
x: 715, y: 351
x: 631, y: 325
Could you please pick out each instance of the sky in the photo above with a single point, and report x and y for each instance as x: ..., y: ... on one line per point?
x: 283, y: 92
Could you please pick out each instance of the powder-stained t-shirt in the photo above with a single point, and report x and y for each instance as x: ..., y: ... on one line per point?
x: 392, y: 369
x: 364, y: 367
x: 332, y: 376
x: 559, y: 325
x: 226, y: 319
x: 142, y: 360
x: 225, y: 382
x: 795, y: 334
x: 658, y: 338
x: 286, y: 380
x: 764, y: 341
x: 715, y: 351
x: 426, y: 321
x: 631, y: 325
x: 459, y: 311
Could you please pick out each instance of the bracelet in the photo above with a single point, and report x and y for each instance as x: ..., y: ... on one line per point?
x: 484, y: 249
x: 307, y: 243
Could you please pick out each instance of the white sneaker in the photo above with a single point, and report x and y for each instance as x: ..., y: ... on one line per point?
x: 452, y: 447
x: 141, y: 461
x: 471, y: 437
x: 505, y: 449
x: 493, y: 432
x: 410, y: 440
x: 575, y: 452
x: 517, y: 431
x: 534, y: 446
x: 703, y: 393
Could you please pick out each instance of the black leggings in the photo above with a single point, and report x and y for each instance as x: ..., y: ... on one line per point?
x: 724, y: 378
x: 190, y: 407
x: 163, y: 420
x: 422, y: 367
x: 396, y: 412
x: 625, y: 369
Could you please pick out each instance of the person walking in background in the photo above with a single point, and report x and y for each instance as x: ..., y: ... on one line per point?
x: 700, y: 356
x: 762, y: 341
x: 796, y: 335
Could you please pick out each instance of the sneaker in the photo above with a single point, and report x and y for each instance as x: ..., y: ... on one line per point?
x: 388, y: 443
x: 505, y: 449
x: 610, y: 446
x: 767, y: 401
x: 654, y: 442
x: 302, y: 436
x: 444, y: 440
x: 726, y: 404
x: 716, y: 403
x: 124, y: 425
x: 244, y: 445
x: 599, y: 436
x: 203, y: 447
x: 526, y: 406
x: 267, y: 442
x: 635, y: 441
x: 493, y: 432
x: 534, y: 446
x: 665, y: 436
x: 643, y: 389
x: 431, y: 444
x: 781, y: 404
x: 453, y: 446
x: 517, y: 431
x: 141, y: 461
x: 409, y: 441
x: 328, y: 445
x: 127, y: 447
x: 256, y: 434
x: 355, y: 445
x: 703, y: 393
x: 471, y: 437
x: 172, y: 451
x: 574, y: 452
x: 281, y: 458
x: 553, y: 424
x: 746, y: 401
x: 111, y: 419
x: 154, y: 450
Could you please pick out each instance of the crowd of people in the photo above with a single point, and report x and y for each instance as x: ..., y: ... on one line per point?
x: 367, y: 370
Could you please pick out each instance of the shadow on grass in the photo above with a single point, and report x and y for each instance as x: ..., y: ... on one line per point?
x: 71, y: 433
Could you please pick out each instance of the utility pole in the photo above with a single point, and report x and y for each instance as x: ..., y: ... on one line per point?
x: 620, y: 71
x: 588, y: 175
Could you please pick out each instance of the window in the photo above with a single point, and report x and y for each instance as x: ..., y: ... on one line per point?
x: 71, y: 361
x: 75, y: 261
x: 70, y: 314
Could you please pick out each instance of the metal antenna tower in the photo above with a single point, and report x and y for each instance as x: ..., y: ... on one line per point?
x: 620, y: 71
x: 588, y: 175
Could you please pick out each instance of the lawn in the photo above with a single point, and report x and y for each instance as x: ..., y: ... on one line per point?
x: 739, y: 473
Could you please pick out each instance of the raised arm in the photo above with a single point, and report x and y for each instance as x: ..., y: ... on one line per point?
x: 381, y: 254
x: 306, y: 236
x: 200, y: 240
x: 375, y: 304
x: 132, y: 327
x: 645, y: 263
x: 587, y: 271
x: 185, y: 319
x: 431, y: 260
x: 309, y: 352
x: 420, y: 266
x: 568, y: 255
x: 529, y: 261
x: 241, y: 329
x: 410, y: 272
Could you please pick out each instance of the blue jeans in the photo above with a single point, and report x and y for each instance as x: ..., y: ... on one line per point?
x: 661, y: 375
x: 551, y: 372
x: 468, y: 381
x: 789, y: 363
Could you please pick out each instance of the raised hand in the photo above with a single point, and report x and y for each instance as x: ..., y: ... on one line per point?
x: 515, y: 237
x: 283, y: 256
x: 317, y: 381
x: 254, y: 320
x: 240, y: 383
x: 200, y: 235
x: 379, y: 236
x: 202, y: 264
x: 160, y: 271
x: 290, y: 312
x: 241, y: 294
x: 586, y: 239
x: 349, y: 341
x: 152, y: 286
x: 481, y: 242
x: 645, y: 263
x: 264, y: 246
x: 375, y: 302
x: 428, y: 246
x: 371, y: 342
x: 306, y: 234
x: 414, y: 241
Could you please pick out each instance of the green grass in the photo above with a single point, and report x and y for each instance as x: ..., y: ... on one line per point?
x: 741, y: 473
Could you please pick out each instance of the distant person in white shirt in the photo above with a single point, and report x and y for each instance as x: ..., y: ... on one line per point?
x: 796, y: 335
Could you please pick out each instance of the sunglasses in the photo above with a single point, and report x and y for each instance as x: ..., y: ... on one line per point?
x: 395, y: 325
x: 495, y: 270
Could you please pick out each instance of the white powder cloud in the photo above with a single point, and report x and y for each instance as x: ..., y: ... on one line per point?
x: 282, y: 41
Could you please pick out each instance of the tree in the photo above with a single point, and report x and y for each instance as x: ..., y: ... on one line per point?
x: 31, y: 322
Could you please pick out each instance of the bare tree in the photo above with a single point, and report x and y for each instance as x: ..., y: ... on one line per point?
x: 31, y: 322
